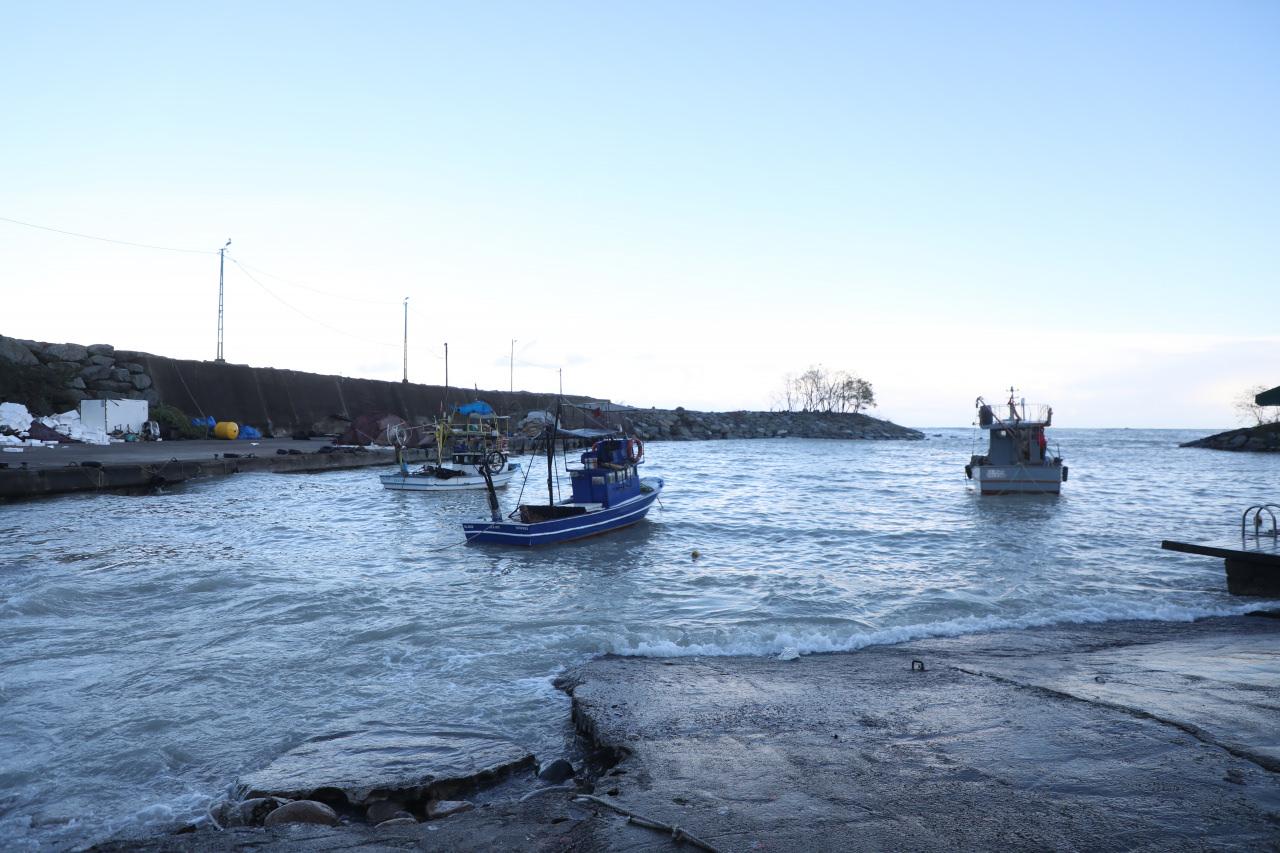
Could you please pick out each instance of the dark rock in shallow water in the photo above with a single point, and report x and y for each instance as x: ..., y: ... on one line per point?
x: 555, y: 772
x: 386, y: 810
x: 245, y: 812
x: 303, y: 811
x: 366, y: 767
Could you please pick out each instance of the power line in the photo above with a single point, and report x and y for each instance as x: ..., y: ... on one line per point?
x: 304, y: 314
x: 285, y: 281
x: 107, y: 239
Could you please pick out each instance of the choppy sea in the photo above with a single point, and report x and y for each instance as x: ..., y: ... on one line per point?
x: 154, y: 647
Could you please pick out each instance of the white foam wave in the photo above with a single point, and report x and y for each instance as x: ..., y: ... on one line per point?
x: 763, y: 641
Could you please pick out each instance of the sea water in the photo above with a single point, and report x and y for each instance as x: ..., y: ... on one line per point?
x: 153, y: 648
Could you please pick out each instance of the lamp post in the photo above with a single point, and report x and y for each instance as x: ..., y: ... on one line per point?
x: 511, y: 381
x: 222, y: 265
x: 406, y: 341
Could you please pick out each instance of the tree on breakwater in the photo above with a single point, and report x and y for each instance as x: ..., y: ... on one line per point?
x: 817, y: 390
x: 1250, y: 413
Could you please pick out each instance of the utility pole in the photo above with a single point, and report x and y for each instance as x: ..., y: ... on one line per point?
x: 511, y: 386
x: 446, y: 367
x: 222, y: 264
x: 406, y: 341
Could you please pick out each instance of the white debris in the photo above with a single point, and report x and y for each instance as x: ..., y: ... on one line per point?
x: 789, y: 653
x: 70, y: 425
x: 15, y: 416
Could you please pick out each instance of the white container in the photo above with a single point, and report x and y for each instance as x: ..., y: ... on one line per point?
x: 109, y: 415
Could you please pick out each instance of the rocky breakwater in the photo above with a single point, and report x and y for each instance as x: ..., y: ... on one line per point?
x: 1262, y: 438
x: 683, y: 425
x: 74, y: 372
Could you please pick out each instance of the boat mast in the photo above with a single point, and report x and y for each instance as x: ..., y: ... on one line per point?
x: 551, y: 454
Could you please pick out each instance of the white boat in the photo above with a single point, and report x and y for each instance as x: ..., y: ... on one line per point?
x: 464, y: 453
x: 1017, y: 460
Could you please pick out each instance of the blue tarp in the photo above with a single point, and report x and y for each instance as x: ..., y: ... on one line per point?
x: 203, y: 422
x: 247, y: 431
x: 479, y: 407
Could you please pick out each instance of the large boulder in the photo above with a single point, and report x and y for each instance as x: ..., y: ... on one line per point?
x: 66, y: 352
x: 100, y: 349
x: 103, y: 360
x: 141, y: 381
x: 11, y: 350
x: 302, y: 811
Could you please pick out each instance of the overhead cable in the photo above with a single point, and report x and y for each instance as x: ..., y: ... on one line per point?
x: 108, y: 239
x: 304, y: 314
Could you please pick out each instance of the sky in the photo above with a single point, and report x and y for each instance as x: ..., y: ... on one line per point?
x: 663, y: 203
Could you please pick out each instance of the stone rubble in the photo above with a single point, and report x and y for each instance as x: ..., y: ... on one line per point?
x: 684, y: 425
x: 95, y: 372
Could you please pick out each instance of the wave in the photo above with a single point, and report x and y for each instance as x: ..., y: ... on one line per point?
x: 763, y: 642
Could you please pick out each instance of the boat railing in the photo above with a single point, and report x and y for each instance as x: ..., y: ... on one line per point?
x: 1023, y: 414
x: 1253, y: 523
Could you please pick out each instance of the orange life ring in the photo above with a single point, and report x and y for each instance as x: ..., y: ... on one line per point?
x: 635, y: 450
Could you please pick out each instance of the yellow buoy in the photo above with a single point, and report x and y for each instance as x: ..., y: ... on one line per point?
x: 226, y: 430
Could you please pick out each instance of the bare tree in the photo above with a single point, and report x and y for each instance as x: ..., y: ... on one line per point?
x: 1249, y: 412
x: 817, y: 390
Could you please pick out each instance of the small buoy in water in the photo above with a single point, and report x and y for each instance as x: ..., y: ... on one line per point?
x: 696, y: 553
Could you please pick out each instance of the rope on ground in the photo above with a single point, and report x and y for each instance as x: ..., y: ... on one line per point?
x: 677, y: 834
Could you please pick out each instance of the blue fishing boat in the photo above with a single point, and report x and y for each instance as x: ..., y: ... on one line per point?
x: 608, y: 494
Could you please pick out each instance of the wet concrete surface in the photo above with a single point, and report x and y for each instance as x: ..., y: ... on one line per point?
x: 157, y: 452
x: 1136, y: 736
x: 145, y: 465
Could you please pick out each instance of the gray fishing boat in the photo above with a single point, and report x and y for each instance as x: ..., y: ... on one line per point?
x: 1017, y: 460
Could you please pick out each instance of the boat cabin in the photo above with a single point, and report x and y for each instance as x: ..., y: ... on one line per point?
x: 608, y: 474
x: 1015, y: 439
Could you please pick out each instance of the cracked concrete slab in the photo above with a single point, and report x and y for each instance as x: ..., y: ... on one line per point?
x: 857, y: 751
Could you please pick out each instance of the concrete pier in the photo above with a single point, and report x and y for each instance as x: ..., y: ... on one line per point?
x: 1128, y: 735
x: 39, y: 471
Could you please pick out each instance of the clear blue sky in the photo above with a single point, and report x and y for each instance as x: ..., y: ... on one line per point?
x: 678, y: 203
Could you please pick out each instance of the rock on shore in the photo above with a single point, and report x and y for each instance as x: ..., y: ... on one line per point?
x: 683, y: 425
x: 1264, y: 438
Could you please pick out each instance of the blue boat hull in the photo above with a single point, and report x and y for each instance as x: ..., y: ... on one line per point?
x: 565, y: 529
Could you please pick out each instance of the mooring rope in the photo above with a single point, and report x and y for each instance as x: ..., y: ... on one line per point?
x: 677, y: 834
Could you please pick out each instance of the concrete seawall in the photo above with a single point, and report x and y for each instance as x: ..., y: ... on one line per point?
x: 80, y: 468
